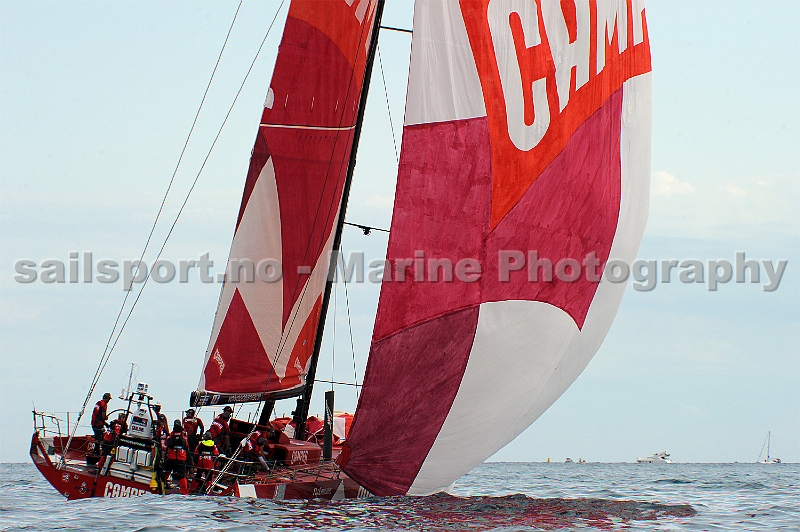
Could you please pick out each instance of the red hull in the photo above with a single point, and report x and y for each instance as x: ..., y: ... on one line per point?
x: 76, y: 480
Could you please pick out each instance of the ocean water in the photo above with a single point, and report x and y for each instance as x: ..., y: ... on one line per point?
x: 495, y: 496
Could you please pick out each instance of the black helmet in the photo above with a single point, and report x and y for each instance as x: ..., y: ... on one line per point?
x: 207, y: 435
x: 177, y: 425
x: 107, y: 396
x: 190, y: 411
x: 261, y: 441
x: 228, y: 408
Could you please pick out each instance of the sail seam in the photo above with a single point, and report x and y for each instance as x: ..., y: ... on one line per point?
x: 298, y: 126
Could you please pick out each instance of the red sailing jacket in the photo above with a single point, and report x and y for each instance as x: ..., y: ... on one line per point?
x: 119, y: 427
x: 219, y: 427
x: 190, y: 425
x: 206, y: 454
x: 177, y: 446
x: 115, y: 432
x: 99, y: 414
x: 252, y: 446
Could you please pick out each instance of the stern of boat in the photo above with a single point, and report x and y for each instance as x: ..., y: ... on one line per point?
x: 70, y: 473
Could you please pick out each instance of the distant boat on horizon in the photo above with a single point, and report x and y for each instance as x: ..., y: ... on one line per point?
x: 767, y: 459
x: 656, y: 458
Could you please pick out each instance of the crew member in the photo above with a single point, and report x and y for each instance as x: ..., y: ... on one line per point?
x: 220, y: 430
x: 205, y: 454
x: 111, y: 437
x: 193, y: 427
x: 177, y: 448
x: 272, y: 434
x: 160, y: 428
x: 119, y: 422
x: 160, y: 434
x: 254, y: 449
x: 161, y: 418
x: 99, y: 417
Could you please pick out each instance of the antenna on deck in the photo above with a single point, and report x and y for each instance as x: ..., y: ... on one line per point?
x: 126, y: 392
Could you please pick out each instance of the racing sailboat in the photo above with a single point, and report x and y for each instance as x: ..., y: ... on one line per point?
x: 524, y: 172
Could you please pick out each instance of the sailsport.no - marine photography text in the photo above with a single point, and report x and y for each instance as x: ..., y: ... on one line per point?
x: 355, y: 268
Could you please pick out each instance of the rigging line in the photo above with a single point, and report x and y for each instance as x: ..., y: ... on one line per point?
x: 196, y: 179
x: 339, y: 383
x: 366, y: 228
x: 174, y: 172
x: 350, y: 326
x: 172, y: 179
x: 386, y: 94
x: 96, y: 376
x: 160, y: 210
x: 401, y: 30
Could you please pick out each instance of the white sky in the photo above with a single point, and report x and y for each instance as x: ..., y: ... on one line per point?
x: 96, y: 99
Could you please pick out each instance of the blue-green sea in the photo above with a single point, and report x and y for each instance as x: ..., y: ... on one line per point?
x: 495, y: 496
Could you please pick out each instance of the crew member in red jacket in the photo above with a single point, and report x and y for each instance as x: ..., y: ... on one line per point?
x: 220, y: 430
x: 99, y: 417
x: 120, y: 422
x: 193, y: 427
x: 112, y: 435
x: 177, y: 454
x: 254, y: 449
x: 205, y: 456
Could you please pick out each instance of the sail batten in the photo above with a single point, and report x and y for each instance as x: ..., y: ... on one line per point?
x: 527, y: 135
x: 266, y: 325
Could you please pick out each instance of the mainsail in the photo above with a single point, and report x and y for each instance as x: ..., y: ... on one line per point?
x: 269, y: 311
x: 526, y: 142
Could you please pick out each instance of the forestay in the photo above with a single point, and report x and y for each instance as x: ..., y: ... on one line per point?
x: 526, y: 137
x: 266, y: 323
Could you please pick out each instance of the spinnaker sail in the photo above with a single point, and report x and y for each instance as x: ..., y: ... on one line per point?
x: 269, y: 311
x: 526, y: 143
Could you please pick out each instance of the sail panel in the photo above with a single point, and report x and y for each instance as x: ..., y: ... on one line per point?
x: 266, y: 323
x: 540, y: 342
x: 558, y: 165
x: 376, y: 462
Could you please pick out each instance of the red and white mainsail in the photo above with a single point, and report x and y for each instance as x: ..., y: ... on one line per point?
x: 266, y: 324
x: 527, y: 137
